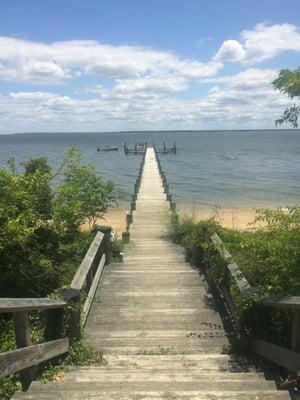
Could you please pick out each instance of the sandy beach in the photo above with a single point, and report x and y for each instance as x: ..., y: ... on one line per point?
x: 239, y: 218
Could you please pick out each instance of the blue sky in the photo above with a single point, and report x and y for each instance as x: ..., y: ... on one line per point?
x: 118, y: 65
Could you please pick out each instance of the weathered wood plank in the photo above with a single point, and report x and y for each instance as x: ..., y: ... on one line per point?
x: 17, y: 360
x: 280, y: 301
x: 92, y: 291
x: 240, y: 280
x: 11, y: 305
x: 23, y: 339
x: 288, y: 359
x: 86, y: 264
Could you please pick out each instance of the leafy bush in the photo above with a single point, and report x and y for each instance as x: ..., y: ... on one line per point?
x: 82, y: 195
x: 269, y: 257
x: 117, y: 247
x: 40, y: 225
x: 194, y: 236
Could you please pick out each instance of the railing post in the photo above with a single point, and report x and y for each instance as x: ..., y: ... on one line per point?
x: 126, y: 237
x: 23, y: 339
x: 106, y: 242
x: 129, y: 219
x: 73, y: 312
x: 296, y: 331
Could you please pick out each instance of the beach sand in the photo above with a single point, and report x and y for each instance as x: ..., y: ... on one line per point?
x: 235, y: 218
x: 239, y: 218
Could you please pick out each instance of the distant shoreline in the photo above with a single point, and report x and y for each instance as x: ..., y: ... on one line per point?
x: 148, y: 131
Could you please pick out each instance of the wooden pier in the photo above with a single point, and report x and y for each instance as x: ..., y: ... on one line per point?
x: 140, y: 148
x: 152, y: 316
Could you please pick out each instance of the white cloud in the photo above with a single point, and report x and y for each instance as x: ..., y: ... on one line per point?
x: 152, y: 85
x: 144, y: 86
x: 243, y: 100
x: 43, y: 63
x: 231, y: 50
x: 261, y: 43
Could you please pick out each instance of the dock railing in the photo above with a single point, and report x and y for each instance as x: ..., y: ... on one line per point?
x: 137, y: 185
x: 65, y: 317
x: 164, y: 182
x: 289, y: 358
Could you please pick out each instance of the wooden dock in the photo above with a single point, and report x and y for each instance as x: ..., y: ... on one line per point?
x: 140, y: 148
x: 156, y: 324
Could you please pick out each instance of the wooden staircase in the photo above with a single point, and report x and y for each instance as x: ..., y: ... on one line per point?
x: 157, y: 325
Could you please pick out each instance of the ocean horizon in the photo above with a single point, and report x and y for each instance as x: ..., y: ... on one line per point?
x: 229, y: 168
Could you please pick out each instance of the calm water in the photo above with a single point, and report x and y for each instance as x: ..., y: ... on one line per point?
x: 228, y: 168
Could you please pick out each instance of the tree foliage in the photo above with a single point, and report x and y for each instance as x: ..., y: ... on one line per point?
x: 288, y: 82
x: 40, y: 223
x: 82, y: 194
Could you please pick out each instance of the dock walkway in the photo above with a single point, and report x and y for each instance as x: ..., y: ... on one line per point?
x: 157, y: 325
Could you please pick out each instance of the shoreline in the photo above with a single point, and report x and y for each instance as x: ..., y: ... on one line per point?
x: 237, y: 218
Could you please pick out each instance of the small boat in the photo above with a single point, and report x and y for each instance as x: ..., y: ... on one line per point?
x: 107, y: 148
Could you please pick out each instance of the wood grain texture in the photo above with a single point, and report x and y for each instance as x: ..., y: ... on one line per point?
x: 288, y: 359
x: 90, y: 297
x: 86, y: 264
x: 17, y: 360
x: 12, y: 305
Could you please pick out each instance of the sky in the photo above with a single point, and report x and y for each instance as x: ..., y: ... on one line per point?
x: 114, y: 65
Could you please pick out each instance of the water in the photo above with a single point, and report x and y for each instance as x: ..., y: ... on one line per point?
x: 228, y: 168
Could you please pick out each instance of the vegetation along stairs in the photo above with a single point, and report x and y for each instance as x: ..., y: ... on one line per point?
x: 156, y: 324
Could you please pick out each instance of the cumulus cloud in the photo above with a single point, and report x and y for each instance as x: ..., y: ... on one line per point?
x: 231, y: 50
x: 152, y: 85
x: 144, y: 84
x: 34, y: 62
x: 242, y: 100
x: 261, y: 43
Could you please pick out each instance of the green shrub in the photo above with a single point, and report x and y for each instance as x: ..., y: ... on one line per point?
x: 269, y: 257
x: 117, y: 247
x: 40, y: 236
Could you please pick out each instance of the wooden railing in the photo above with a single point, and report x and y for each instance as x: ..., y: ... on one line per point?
x: 164, y: 181
x: 137, y: 185
x: 287, y: 358
x: 27, y: 355
x: 89, y: 272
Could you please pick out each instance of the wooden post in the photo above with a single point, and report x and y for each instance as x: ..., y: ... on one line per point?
x: 296, y: 331
x: 166, y: 190
x: 106, y: 244
x: 126, y: 237
x: 73, y: 313
x: 169, y: 197
x: 23, y: 339
x: 128, y: 218
x: 132, y: 206
x: 173, y: 206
